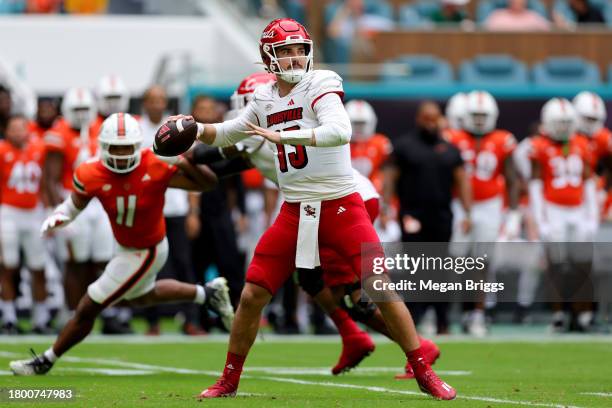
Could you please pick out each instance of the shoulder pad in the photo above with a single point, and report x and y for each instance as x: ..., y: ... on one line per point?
x: 263, y: 92
x: 322, y: 81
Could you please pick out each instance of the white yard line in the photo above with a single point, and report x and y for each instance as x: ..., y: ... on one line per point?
x: 179, y: 370
x: 598, y: 394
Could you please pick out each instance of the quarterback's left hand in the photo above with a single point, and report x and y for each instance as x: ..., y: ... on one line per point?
x: 269, y: 135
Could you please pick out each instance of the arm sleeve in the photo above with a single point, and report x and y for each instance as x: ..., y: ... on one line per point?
x: 231, y: 131
x: 334, y: 128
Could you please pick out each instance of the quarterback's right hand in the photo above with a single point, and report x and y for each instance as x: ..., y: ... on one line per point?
x: 55, y: 220
x: 176, y: 118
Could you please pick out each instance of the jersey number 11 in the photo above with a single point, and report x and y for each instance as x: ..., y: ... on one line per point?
x: 126, y: 217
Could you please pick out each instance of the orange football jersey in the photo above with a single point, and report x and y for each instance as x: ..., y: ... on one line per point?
x: 63, y: 139
x: 20, y: 173
x: 36, y: 130
x: 484, y: 159
x: 368, y: 156
x: 134, y: 201
x: 562, y: 168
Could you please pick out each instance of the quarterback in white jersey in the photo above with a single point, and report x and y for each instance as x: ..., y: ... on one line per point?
x: 303, y: 115
x: 334, y: 286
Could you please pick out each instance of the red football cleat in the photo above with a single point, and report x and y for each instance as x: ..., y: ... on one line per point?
x: 222, y: 388
x: 355, y: 348
x: 431, y: 352
x: 431, y: 384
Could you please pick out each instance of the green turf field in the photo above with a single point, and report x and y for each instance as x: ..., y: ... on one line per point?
x: 287, y: 372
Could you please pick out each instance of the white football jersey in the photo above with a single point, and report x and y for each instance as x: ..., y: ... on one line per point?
x: 261, y: 155
x: 304, y: 173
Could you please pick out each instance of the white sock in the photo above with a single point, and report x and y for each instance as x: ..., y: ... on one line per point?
x: 200, y: 296
x: 40, y: 314
x: 50, y: 355
x: 9, y: 314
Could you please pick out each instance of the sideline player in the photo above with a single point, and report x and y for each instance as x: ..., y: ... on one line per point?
x: 130, y: 184
x: 303, y: 115
x: 20, y: 218
x: 563, y: 201
x: 487, y: 152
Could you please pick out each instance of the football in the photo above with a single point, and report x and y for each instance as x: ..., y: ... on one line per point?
x: 174, y: 138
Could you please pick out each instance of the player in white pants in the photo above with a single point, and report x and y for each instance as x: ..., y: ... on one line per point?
x: 20, y: 217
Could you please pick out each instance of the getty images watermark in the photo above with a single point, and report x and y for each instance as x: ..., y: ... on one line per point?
x: 411, y: 265
x: 492, y: 272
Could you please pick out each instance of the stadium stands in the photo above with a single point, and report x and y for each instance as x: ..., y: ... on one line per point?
x: 566, y: 71
x: 424, y: 70
x: 500, y: 69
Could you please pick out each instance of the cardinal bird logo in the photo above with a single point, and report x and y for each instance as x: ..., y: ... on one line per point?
x: 310, y: 211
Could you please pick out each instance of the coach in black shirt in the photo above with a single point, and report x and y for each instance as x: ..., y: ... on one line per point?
x: 424, y: 170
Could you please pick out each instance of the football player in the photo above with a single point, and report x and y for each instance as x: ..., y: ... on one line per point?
x: 303, y: 116
x: 335, y: 274
x: 486, y: 152
x: 130, y: 184
x: 20, y: 217
x: 563, y: 201
x: 590, y: 118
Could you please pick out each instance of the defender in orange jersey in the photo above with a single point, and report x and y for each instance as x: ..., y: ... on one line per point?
x: 20, y: 217
x: 487, y: 153
x: 131, y: 184
x: 563, y: 201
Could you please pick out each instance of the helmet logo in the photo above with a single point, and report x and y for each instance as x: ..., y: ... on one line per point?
x: 268, y: 34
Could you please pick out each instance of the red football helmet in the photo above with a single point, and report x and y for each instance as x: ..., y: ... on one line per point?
x: 242, y: 95
x: 281, y: 32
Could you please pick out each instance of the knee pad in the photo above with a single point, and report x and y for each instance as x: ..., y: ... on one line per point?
x: 360, y: 311
x: 311, y: 280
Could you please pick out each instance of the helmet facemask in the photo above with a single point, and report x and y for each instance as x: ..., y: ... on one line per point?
x: 589, y: 125
x: 79, y: 117
x: 479, y: 123
x: 559, y: 129
x: 110, y: 104
x: 119, y: 158
x: 291, y: 74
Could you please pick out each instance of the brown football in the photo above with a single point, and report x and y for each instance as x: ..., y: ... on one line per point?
x: 174, y: 138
